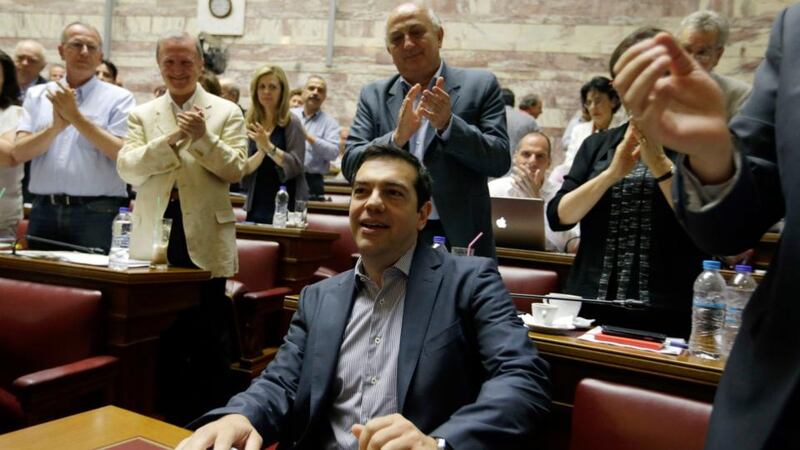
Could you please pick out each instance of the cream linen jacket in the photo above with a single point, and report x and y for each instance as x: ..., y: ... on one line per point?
x: 201, y: 170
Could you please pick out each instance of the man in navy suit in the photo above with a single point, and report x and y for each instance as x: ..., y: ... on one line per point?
x: 451, y: 119
x: 413, y: 349
x: 736, y: 180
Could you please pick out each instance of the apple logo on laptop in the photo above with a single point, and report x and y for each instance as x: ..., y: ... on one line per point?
x: 501, y: 222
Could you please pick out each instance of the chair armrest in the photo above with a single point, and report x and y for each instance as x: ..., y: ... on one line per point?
x: 43, y: 378
x: 61, y: 390
x: 268, y: 299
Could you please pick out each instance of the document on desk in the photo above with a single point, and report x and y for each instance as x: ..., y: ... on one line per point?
x: 666, y: 350
x: 88, y: 259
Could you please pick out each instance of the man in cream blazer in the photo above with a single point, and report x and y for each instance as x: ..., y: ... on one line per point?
x: 160, y: 155
x: 181, y: 153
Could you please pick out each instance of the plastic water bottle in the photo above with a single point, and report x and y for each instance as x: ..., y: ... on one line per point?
x: 440, y: 244
x: 708, y: 312
x: 120, y: 240
x: 281, y: 208
x: 738, y: 293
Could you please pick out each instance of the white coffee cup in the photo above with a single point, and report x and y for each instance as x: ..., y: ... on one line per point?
x: 543, y: 314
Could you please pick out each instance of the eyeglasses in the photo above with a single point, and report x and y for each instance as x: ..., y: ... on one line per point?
x: 78, y: 46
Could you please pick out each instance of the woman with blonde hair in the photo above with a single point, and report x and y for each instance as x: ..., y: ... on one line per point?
x: 276, y: 147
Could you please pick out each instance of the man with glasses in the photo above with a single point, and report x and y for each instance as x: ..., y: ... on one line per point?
x: 71, y: 132
x: 703, y: 34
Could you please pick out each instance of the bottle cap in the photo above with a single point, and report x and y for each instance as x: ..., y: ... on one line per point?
x: 283, y: 187
x: 711, y: 265
x: 743, y: 268
x: 124, y: 209
x: 439, y: 240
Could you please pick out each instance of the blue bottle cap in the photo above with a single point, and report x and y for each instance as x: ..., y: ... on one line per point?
x: 743, y: 268
x: 283, y: 187
x: 711, y: 265
x: 439, y: 240
x: 124, y: 209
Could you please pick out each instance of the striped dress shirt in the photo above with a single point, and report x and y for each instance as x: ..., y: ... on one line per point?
x: 365, y: 385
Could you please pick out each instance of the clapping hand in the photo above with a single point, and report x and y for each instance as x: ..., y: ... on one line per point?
x: 409, y: 119
x: 625, y: 156
x: 192, y: 123
x: 435, y: 106
x: 674, y: 101
x: 65, y: 107
x: 527, y: 181
x: 259, y: 135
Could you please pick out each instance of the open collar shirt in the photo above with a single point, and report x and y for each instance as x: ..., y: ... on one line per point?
x: 365, y: 385
x: 71, y: 164
x: 325, y: 148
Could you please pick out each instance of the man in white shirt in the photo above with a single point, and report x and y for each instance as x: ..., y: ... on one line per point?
x: 528, y: 179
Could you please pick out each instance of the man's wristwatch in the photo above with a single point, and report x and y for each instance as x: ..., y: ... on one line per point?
x: 441, y: 444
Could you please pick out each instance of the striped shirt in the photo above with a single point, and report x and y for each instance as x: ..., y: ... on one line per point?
x: 365, y: 386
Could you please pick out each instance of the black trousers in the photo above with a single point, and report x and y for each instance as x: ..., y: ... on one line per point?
x: 195, y: 353
x: 316, y: 186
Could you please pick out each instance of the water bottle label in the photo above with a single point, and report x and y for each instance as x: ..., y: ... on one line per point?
x: 707, y: 304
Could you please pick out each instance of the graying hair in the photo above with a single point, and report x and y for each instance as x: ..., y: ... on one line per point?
x: 175, y: 35
x: 82, y: 24
x: 529, y: 101
x: 435, y: 20
x: 707, y: 21
x: 39, y: 48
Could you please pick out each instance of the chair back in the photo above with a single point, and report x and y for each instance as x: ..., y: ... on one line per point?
x: 525, y: 280
x: 44, y: 326
x: 612, y: 416
x: 343, y: 248
x: 258, y: 264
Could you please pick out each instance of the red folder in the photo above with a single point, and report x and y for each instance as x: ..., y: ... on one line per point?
x: 629, y: 341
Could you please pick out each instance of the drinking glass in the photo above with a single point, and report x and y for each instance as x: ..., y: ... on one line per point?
x: 163, y: 227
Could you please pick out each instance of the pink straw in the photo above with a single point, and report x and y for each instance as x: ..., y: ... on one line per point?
x: 469, y: 246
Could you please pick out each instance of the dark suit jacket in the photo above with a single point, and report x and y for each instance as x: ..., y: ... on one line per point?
x: 466, y: 370
x: 759, y: 392
x: 477, y: 148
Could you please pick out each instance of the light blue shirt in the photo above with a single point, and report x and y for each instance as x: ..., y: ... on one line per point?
x: 72, y: 165
x: 325, y: 149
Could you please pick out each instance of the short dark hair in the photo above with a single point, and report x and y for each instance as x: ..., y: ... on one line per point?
x: 295, y: 91
x: 603, y: 86
x: 508, y: 97
x: 10, y: 92
x: 423, y: 183
x: 629, y: 41
x: 111, y: 68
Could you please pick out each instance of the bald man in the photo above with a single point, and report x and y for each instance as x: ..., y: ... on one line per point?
x: 30, y: 61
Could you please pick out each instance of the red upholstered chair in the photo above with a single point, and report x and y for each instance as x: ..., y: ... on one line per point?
x: 50, y: 346
x: 342, y: 249
x: 257, y: 301
x: 524, y: 280
x: 612, y: 416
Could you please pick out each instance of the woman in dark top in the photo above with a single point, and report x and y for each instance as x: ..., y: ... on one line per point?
x: 632, y: 247
x: 276, y: 147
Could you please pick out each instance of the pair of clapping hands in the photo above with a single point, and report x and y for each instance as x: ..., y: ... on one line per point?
x: 191, y: 125
x: 434, y: 106
x: 235, y: 431
x: 65, y: 106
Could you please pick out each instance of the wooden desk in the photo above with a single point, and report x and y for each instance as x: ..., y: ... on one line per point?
x: 237, y: 200
x: 344, y: 189
x: 138, y: 303
x: 301, y: 253
x: 92, y: 429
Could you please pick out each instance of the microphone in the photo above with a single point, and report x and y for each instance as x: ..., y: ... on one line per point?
x: 80, y: 248
x: 627, y: 303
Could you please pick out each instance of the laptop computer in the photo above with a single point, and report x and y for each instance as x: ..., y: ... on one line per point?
x: 518, y: 222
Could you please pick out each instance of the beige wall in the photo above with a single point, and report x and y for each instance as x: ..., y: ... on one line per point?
x: 548, y: 47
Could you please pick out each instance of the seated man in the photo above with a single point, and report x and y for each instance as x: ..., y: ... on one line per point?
x: 529, y: 179
x: 413, y: 348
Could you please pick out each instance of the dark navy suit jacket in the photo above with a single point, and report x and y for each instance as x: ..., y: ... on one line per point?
x: 758, y: 400
x: 477, y: 148
x: 466, y: 370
